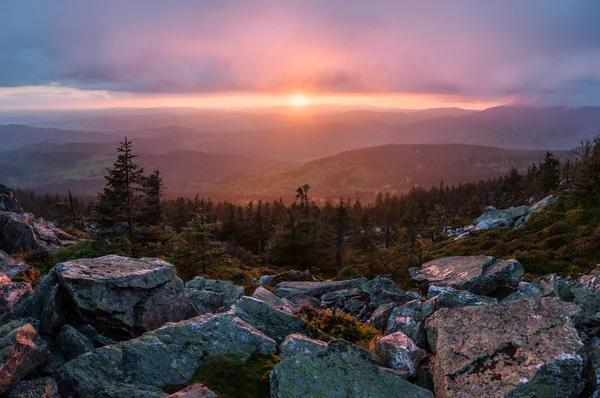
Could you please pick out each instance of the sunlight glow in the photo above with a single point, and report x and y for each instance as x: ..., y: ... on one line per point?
x: 299, y: 100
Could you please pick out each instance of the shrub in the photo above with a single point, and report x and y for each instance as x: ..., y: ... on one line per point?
x: 340, y: 325
x: 230, y: 377
x: 348, y: 272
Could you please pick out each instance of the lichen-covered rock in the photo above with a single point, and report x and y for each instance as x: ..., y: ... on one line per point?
x: 20, y: 232
x: 380, y: 316
x: 124, y: 294
x: 501, y: 218
x: 338, y: 297
x: 300, y: 344
x: 525, y: 348
x: 340, y: 371
x: 10, y: 266
x: 21, y: 352
x: 210, y: 296
x: 399, y: 352
x: 288, y: 276
x: 194, y: 391
x: 169, y: 355
x: 44, y: 387
x: 315, y: 289
x: 271, y: 299
x: 271, y: 321
x: 13, y: 298
x: 547, y: 286
x: 541, y: 205
x: 477, y: 274
x: 8, y: 202
x: 382, y: 290
x: 447, y: 297
x: 73, y: 342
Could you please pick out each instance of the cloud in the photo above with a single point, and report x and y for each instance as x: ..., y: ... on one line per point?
x: 545, y: 50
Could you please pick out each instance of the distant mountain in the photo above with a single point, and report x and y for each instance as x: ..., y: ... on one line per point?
x: 366, y: 171
x: 80, y: 167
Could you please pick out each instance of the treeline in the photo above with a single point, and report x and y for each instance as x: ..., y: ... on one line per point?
x: 341, y: 237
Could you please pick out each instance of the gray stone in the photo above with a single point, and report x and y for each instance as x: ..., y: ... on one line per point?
x: 73, y: 342
x: 271, y: 299
x: 477, y: 274
x: 315, y: 289
x: 380, y: 316
x: 271, y: 321
x: 8, y: 202
x: 338, y: 297
x: 288, y: 276
x: 194, y: 391
x: 504, y: 218
x: 447, y: 297
x: 399, y: 352
x: 300, y: 344
x: 169, y: 355
x: 44, y: 387
x: 547, y: 286
x: 20, y: 232
x: 10, y: 266
x: 541, y: 205
x: 208, y: 295
x: 340, y: 371
x: 382, y: 290
x: 410, y: 320
x: 21, y: 352
x: 14, y: 298
x: 354, y: 306
x: 524, y: 348
x: 123, y: 294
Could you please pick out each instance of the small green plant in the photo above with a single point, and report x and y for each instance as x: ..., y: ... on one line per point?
x: 340, y: 325
x: 348, y: 272
x: 230, y: 377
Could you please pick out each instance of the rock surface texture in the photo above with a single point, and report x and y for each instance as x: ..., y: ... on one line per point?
x: 525, y: 348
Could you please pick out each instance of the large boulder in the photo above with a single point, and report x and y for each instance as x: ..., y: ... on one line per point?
x: 501, y: 218
x: 123, y: 295
x: 21, y: 232
x: 524, y: 348
x: 477, y: 274
x: 170, y: 355
x: 288, y: 276
x: 316, y: 289
x: 73, y: 342
x: 397, y: 351
x: 194, y: 391
x: 271, y: 321
x: 300, y: 344
x: 541, y: 205
x: 44, y: 387
x: 271, y: 299
x: 209, y: 296
x: 382, y: 290
x: 546, y: 286
x: 21, y: 351
x: 8, y: 202
x: 13, y: 298
x: 342, y: 370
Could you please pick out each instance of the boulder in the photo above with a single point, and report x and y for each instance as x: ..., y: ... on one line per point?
x: 271, y: 321
x: 399, y: 352
x: 547, y: 286
x: 169, y: 355
x: 288, y: 276
x: 10, y: 266
x: 21, y: 352
x: 339, y: 297
x: 380, y: 316
x: 14, y: 298
x: 447, y: 297
x: 315, y: 289
x: 541, y: 205
x: 525, y: 348
x: 194, y: 391
x: 271, y: 299
x: 501, y: 218
x: 8, y: 202
x: 73, y: 342
x: 477, y: 274
x: 593, y: 369
x: 20, y: 232
x: 300, y: 344
x: 209, y: 296
x: 123, y: 295
x: 342, y: 370
x: 44, y: 387
x: 382, y: 290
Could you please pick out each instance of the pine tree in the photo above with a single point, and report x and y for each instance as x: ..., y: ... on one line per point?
x: 548, y: 176
x: 586, y: 185
x: 120, y: 203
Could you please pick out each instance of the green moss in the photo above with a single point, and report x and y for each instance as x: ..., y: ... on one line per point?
x: 230, y: 377
x: 340, y: 325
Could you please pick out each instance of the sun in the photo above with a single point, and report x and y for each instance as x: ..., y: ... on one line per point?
x: 299, y: 100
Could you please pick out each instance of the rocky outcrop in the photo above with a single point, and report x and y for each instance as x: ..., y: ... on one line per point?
x: 316, y: 289
x: 397, y: 351
x: 13, y: 298
x: 382, y: 290
x: 289, y: 276
x: 300, y: 344
x: 271, y: 299
x: 8, y: 202
x: 210, y: 296
x: 341, y: 370
x: 21, y: 352
x: 477, y: 274
x: 44, y: 387
x: 169, y: 355
x: 73, y: 342
x: 22, y: 233
x: 123, y: 295
x: 194, y: 391
x: 520, y: 349
x: 271, y: 321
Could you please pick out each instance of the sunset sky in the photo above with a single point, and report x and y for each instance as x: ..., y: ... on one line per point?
x: 239, y: 54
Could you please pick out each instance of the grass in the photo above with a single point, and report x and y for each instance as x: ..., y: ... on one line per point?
x: 230, y: 377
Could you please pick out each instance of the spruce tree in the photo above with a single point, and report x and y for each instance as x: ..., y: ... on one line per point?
x: 120, y: 203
